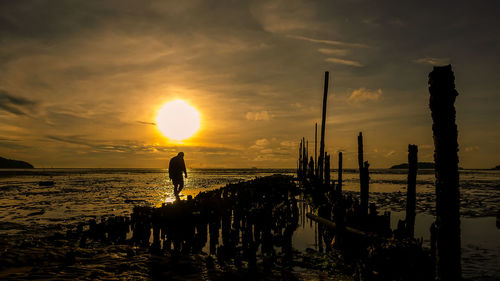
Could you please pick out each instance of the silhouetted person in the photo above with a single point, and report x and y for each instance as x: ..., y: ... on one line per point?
x: 175, y: 170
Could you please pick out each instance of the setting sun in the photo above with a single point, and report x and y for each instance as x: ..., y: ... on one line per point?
x: 177, y: 120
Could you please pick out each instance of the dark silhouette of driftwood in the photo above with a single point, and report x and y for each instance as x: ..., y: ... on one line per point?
x: 331, y: 224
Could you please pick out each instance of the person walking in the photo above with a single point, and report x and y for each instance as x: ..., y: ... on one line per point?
x: 176, y: 168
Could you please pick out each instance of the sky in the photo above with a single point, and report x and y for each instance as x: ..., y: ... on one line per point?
x: 81, y: 82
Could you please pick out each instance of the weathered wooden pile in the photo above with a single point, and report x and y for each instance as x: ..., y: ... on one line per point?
x: 240, y: 224
x: 347, y: 216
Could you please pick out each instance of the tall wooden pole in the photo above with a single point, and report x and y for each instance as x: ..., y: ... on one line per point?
x: 299, y: 172
x: 339, y: 178
x: 411, y: 190
x: 307, y: 150
x: 364, y: 188
x: 304, y: 158
x: 442, y: 98
x: 316, y: 149
x: 327, y: 170
x: 323, y: 124
x: 363, y: 177
x: 360, y: 150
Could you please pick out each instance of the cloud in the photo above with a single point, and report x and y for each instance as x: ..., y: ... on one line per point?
x: 263, y: 115
x: 344, y: 62
x: 390, y: 153
x: 260, y: 144
x: 288, y: 144
x: 15, y: 105
x: 335, y: 52
x: 433, y: 61
x: 11, y: 143
x: 329, y: 42
x: 285, y: 16
x: 146, y: 123
x: 363, y: 94
x: 129, y: 146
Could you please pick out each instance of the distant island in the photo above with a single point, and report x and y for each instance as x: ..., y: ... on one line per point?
x: 421, y: 165
x: 14, y: 164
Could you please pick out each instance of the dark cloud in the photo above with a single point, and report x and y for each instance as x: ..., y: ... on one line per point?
x: 146, y: 123
x: 12, y: 143
x: 15, y: 105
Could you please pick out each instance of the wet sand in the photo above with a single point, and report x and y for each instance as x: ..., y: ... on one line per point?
x: 32, y: 213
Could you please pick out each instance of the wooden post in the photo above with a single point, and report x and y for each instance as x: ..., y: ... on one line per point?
x: 310, y: 169
x: 339, y: 177
x: 307, y: 157
x: 304, y: 158
x: 316, y: 149
x: 327, y: 170
x: 299, y: 171
x: 433, y: 244
x: 360, y: 150
x: 323, y: 124
x: 363, y: 177
x: 442, y: 98
x: 307, y: 149
x: 364, y: 190
x: 411, y: 191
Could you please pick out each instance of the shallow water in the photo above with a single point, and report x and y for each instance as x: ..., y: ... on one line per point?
x: 30, y: 210
x: 80, y: 194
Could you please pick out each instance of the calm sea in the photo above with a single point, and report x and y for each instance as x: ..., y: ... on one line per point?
x: 28, y: 209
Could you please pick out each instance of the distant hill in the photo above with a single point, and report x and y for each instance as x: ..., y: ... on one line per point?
x: 496, y: 168
x: 14, y: 164
x: 421, y: 165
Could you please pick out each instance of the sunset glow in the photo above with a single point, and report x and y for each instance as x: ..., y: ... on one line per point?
x: 177, y: 120
x: 94, y: 86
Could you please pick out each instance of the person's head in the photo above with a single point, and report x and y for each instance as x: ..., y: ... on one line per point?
x: 181, y: 154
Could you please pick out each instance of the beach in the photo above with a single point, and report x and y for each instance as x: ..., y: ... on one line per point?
x: 30, y: 212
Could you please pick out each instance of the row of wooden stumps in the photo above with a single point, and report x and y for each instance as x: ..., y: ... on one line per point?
x: 445, y: 232
x: 246, y: 226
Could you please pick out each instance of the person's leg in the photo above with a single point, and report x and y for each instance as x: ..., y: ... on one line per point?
x: 181, y: 185
x: 176, y: 192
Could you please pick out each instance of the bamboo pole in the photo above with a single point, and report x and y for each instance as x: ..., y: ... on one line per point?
x: 442, y: 98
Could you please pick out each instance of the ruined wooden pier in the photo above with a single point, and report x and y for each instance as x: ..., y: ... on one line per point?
x: 445, y: 232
